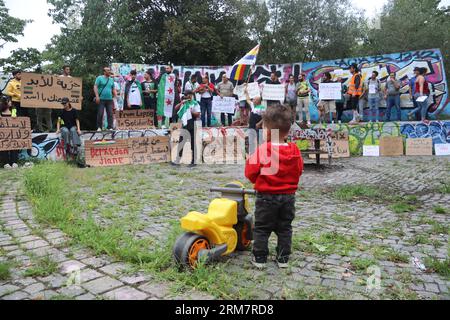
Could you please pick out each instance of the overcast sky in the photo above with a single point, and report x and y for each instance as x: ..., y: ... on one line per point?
x: 39, y: 33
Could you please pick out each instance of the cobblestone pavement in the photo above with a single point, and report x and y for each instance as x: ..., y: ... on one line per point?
x: 339, y: 246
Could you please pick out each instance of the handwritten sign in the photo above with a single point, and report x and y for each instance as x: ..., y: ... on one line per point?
x: 340, y: 149
x: 134, y: 123
x: 141, y: 113
x: 252, y: 88
x: 419, y: 147
x: 273, y: 92
x: 223, y: 105
x: 15, y: 133
x: 391, y: 146
x: 47, y: 91
x: 107, y: 153
x: 146, y: 150
x: 442, y: 149
x: 371, y: 151
x: 330, y: 91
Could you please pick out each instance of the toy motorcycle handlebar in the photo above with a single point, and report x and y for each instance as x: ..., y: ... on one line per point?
x: 234, y: 190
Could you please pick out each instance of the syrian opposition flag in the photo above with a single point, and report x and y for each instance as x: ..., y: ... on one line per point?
x: 242, y: 68
x: 185, y: 113
x: 166, y: 95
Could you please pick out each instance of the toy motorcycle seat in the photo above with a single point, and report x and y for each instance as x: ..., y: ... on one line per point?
x: 223, y: 212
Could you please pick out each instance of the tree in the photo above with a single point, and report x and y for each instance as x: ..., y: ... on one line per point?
x: 23, y: 59
x: 411, y: 25
x: 10, y: 27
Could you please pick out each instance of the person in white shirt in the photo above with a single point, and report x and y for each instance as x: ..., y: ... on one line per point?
x: 193, y: 85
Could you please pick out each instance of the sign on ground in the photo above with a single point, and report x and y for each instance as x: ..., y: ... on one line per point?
x: 15, y: 133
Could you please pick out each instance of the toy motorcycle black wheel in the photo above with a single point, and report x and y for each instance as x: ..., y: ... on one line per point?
x: 243, y: 230
x: 187, y: 248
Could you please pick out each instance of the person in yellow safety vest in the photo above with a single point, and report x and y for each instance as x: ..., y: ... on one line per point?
x: 355, y: 90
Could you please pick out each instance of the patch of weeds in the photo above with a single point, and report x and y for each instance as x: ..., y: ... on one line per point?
x: 440, y: 210
x: 397, y: 292
x: 361, y: 264
x: 444, y: 187
x: 61, y: 297
x: 5, y: 271
x: 441, y: 267
x: 325, y: 243
x: 355, y: 192
x: 405, y: 204
x: 311, y: 293
x: 419, y: 239
x: 41, y: 267
x: 389, y: 254
x: 340, y: 218
x: 439, y: 228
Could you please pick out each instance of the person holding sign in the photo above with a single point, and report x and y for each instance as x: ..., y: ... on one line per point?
x: 257, y: 111
x: 303, y: 98
x: 326, y: 107
x: 188, y: 111
x: 225, y: 89
x: 374, y: 86
x: 68, y: 125
x: 422, y: 93
x: 291, y: 95
x: 13, y: 90
x: 206, y: 90
x: 9, y: 157
x: 104, y: 93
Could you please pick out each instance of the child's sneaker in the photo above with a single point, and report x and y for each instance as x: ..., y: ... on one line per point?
x: 283, y: 262
x: 259, y: 262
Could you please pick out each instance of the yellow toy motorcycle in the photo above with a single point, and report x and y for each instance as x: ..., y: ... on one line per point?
x: 226, y: 227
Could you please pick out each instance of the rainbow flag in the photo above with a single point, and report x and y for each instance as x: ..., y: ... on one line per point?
x: 241, y: 69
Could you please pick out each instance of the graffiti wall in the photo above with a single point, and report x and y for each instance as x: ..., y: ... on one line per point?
x: 401, y: 63
x: 370, y: 133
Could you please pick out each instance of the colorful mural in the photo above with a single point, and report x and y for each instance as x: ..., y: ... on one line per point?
x: 401, y: 63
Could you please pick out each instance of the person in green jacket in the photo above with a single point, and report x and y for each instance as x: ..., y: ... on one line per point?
x: 134, y: 98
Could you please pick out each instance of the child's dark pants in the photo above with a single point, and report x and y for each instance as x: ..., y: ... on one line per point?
x: 273, y: 213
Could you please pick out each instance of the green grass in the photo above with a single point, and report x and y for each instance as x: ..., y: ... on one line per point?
x: 361, y: 264
x: 389, y: 254
x: 61, y: 297
x: 441, y: 267
x: 5, y: 271
x: 312, y: 293
x: 419, y: 239
x: 356, y: 192
x: 41, y: 267
x: 404, y: 204
x: 444, y: 187
x: 440, y: 210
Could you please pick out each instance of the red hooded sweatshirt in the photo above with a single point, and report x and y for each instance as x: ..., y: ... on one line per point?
x: 268, y: 177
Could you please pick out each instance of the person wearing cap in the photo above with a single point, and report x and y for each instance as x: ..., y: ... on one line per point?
x: 188, y: 110
x: 13, y: 90
x: 68, y: 125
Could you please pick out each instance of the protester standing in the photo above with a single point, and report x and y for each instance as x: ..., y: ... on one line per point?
x: 374, y: 90
x: 13, y: 90
x: 104, y: 93
x: 225, y: 89
x: 327, y: 108
x: 341, y: 102
x: 149, y: 90
x: 355, y: 92
x: 422, y: 94
x: 192, y: 85
x: 291, y: 95
x: 303, y: 98
x: 412, y: 92
x: 9, y: 158
x: 273, y: 80
x: 134, y: 98
x: 392, y: 96
x: 206, y: 90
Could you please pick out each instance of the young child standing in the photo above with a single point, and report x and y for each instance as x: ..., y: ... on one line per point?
x: 274, y: 169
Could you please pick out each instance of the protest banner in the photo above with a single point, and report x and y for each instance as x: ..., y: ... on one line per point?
x: 340, y: 149
x: 106, y: 153
x: 146, y: 150
x: 140, y: 113
x: 371, y: 151
x: 391, y: 146
x: 134, y: 123
x: 223, y: 105
x: 442, y: 149
x: 419, y: 147
x: 47, y: 91
x: 330, y: 91
x: 252, y: 88
x: 15, y: 133
x: 273, y: 92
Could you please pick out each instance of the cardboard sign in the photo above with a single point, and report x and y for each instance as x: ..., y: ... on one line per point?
x: 47, y: 91
x: 371, y: 151
x: 340, y: 149
x: 15, y: 133
x: 107, y: 153
x: 391, y: 146
x: 442, y: 149
x: 330, y: 91
x: 134, y: 123
x: 273, y: 92
x: 141, y: 113
x: 223, y: 105
x: 146, y: 150
x: 419, y: 147
x: 252, y: 88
